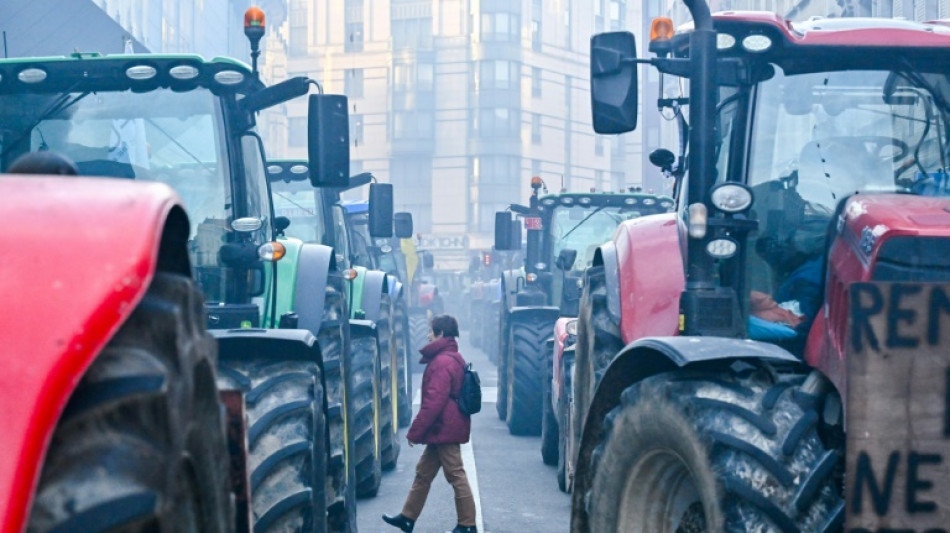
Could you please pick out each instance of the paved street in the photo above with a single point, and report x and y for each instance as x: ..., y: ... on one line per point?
x: 514, y: 491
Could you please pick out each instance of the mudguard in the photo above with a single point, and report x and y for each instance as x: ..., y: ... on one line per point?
x: 395, y: 287
x: 362, y: 328
x: 78, y: 257
x: 313, y: 272
x: 606, y: 255
x: 650, y: 356
x: 374, y: 286
x: 509, y: 287
x: 252, y: 344
x: 549, y: 313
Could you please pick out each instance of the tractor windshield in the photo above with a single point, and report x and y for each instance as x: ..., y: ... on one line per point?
x: 299, y: 202
x: 172, y: 137
x: 584, y: 228
x: 818, y: 138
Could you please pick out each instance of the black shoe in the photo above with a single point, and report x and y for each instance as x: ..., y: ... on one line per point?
x: 465, y: 529
x: 400, y: 521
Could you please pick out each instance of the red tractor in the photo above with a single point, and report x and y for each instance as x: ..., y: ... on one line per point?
x: 713, y: 354
x: 111, y: 415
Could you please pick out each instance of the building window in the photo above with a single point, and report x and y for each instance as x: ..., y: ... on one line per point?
x: 356, y: 129
x: 617, y: 12
x: 568, y: 42
x: 504, y: 27
x: 353, y: 82
x: 412, y: 125
x: 298, y: 28
x: 497, y: 122
x: 536, y: 82
x: 496, y: 74
x: 535, y: 128
x: 535, y: 167
x: 354, y: 37
x: 425, y: 76
x: 536, y: 35
x: 297, y: 131
x: 401, y: 77
x: 412, y: 33
x: 598, y: 145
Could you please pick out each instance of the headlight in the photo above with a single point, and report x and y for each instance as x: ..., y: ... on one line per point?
x: 31, y: 75
x: 756, y: 43
x: 246, y: 224
x: 141, y: 72
x: 271, y: 251
x: 571, y: 327
x: 229, y: 77
x: 731, y: 197
x: 540, y: 266
x: 724, y: 41
x: 722, y: 248
x: 531, y: 277
x: 697, y: 221
x: 183, y: 72
x: 584, y: 200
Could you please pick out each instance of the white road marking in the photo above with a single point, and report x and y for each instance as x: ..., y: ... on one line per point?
x: 468, y: 459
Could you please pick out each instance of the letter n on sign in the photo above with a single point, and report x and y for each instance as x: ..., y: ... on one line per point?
x: 897, y: 467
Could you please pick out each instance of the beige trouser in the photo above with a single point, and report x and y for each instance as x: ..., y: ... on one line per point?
x: 449, y: 458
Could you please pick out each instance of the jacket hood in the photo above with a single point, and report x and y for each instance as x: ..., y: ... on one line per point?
x: 434, y: 348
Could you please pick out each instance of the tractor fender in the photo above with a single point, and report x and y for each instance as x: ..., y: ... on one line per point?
x: 375, y: 285
x: 509, y: 287
x: 606, y: 255
x: 77, y: 261
x: 546, y: 313
x: 558, y: 348
x: 314, y: 263
x: 283, y: 344
x: 395, y: 287
x: 650, y: 356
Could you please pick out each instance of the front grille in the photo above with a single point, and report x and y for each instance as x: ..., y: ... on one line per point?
x: 911, y: 258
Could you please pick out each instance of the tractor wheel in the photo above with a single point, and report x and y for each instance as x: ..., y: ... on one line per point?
x: 419, y: 334
x: 564, y: 428
x: 526, y: 346
x: 389, y: 443
x: 341, y: 473
x: 733, y: 451
x: 141, y: 445
x: 501, y: 403
x: 286, y: 440
x: 598, y: 341
x: 366, y: 426
x: 549, y: 429
x: 401, y: 329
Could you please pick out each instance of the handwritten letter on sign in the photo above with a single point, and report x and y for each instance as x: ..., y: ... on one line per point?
x: 898, y: 409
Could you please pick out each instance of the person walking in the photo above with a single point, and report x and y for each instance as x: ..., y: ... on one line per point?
x: 442, y: 427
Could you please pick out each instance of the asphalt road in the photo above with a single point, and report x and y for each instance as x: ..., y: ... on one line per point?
x: 514, y: 491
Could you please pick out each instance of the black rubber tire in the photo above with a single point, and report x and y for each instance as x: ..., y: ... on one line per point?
x: 389, y: 442
x: 141, y: 445
x: 419, y: 335
x: 286, y: 439
x: 341, y: 474
x: 401, y: 329
x: 734, y: 450
x: 501, y: 403
x: 494, y: 344
x: 564, y: 428
x: 366, y: 400
x: 549, y: 428
x: 525, y: 371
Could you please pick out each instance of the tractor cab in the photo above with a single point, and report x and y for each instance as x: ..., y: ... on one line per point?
x: 174, y: 119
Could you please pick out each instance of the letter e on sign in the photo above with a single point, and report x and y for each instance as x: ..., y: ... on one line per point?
x: 898, y: 407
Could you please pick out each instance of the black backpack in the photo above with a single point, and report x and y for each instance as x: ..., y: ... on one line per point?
x: 470, y: 397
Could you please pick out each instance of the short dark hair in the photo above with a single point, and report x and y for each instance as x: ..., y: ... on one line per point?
x: 445, y: 324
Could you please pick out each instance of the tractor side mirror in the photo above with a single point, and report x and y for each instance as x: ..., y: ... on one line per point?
x: 403, y: 225
x: 503, y: 232
x: 613, y: 82
x: 381, y: 210
x: 328, y: 140
x: 281, y: 224
x: 565, y: 259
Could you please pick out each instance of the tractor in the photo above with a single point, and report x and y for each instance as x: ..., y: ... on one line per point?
x: 190, y: 124
x: 718, y: 346
x: 316, y: 215
x: 563, y: 231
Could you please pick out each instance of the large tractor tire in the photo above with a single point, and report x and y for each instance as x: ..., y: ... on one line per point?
x: 401, y: 335
x: 549, y: 429
x: 564, y: 428
x: 734, y: 451
x: 341, y: 473
x: 141, y: 445
x: 501, y: 403
x: 367, y: 405
x: 286, y: 439
x: 525, y: 371
x: 419, y: 335
x: 389, y: 442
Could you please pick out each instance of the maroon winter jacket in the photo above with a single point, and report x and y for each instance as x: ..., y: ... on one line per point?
x: 439, y: 420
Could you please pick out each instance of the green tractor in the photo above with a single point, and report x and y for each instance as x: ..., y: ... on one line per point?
x: 314, y: 213
x: 563, y: 231
x: 190, y: 123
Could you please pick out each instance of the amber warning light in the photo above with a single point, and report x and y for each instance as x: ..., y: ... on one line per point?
x: 253, y: 18
x: 661, y: 29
